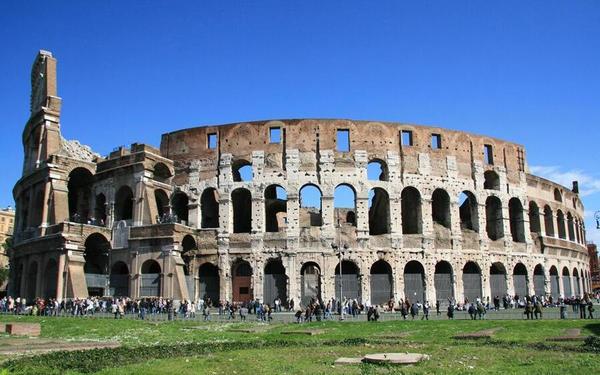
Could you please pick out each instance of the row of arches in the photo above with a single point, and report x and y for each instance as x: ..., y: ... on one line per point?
x: 567, y: 226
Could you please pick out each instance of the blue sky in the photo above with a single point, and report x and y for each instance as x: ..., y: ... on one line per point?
x: 527, y: 72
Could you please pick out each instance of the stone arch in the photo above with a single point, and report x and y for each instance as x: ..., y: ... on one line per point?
x: 534, y: 218
x: 414, y: 282
x: 560, y: 221
x: 209, y: 283
x: 241, y: 170
x: 310, y: 283
x: 349, y: 280
x: 539, y: 280
x: 311, y: 206
x: 517, y: 222
x: 554, y: 283
x: 491, y: 180
x: 162, y: 204
x: 119, y: 279
x: 80, y: 194
x: 124, y: 203
x: 275, y: 208
x: 50, y: 278
x: 150, y: 285
x: 566, y: 279
x: 411, y: 211
x: 241, y: 281
x: 96, y: 253
x: 344, y: 205
x: 381, y: 283
x: 209, y: 206
x: 379, y: 212
x: 241, y: 200
x: 494, y: 219
x: 576, y: 285
x: 520, y: 280
x: 274, y: 282
x: 440, y: 208
x: 557, y: 195
x: 443, y: 282
x: 162, y: 172
x: 188, y: 245
x: 548, y: 221
x: 498, y: 286
x: 472, y: 281
x: 179, y: 203
x: 377, y: 170
x: 570, y: 227
x: 469, y: 215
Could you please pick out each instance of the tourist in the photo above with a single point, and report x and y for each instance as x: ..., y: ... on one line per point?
x: 590, y: 308
x: 425, y: 311
x: 537, y: 309
x: 450, y: 311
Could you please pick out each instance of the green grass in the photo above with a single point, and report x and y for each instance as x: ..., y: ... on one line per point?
x: 519, y: 347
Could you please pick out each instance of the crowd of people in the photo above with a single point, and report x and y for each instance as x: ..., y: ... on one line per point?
x: 313, y: 310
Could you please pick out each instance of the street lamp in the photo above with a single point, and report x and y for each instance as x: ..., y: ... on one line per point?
x: 340, y: 253
x: 597, y: 217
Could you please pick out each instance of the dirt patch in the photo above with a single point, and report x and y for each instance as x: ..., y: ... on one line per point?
x: 573, y: 334
x: 485, y: 334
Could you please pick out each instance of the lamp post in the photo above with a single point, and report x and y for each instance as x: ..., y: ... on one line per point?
x: 340, y: 253
x: 597, y: 217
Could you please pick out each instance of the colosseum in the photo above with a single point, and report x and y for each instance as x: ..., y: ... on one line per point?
x: 290, y: 209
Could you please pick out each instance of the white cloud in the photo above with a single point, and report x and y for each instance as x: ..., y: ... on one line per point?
x: 588, y: 184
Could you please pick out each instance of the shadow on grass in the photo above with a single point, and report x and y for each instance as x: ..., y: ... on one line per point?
x: 594, y: 328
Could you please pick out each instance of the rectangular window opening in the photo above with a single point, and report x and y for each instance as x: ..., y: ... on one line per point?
x: 343, y: 140
x: 275, y: 135
x: 436, y: 141
x: 211, y: 140
x: 488, y: 154
x: 407, y: 138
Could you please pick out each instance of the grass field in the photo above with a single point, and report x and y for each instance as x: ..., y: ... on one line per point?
x: 219, y: 348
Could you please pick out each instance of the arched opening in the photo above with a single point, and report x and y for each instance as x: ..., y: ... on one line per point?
x: 241, y: 282
x: 275, y: 209
x: 210, y: 286
x: 557, y: 195
x: 554, y: 283
x: 472, y: 281
x: 124, y: 204
x: 162, y: 205
x: 539, y: 281
x: 548, y: 221
x: 80, y: 193
x: 493, y: 216
x: 50, y: 279
x: 517, y: 225
x: 100, y: 210
x: 241, y: 170
x: 32, y: 274
x: 469, y: 217
x: 274, y: 282
x: 381, y: 283
x: 96, y: 253
x: 411, y: 211
x: 209, y: 205
x: 442, y: 279
x: 344, y: 205
x: 377, y: 170
x: 242, y: 210
x: 560, y: 220
x: 349, y: 281
x: 576, y: 285
x: 491, y: 180
x: 498, y: 287
x: 440, y: 207
x: 311, y: 283
x: 162, y: 173
x: 570, y: 227
x: 188, y: 245
x: 414, y: 282
x: 520, y: 280
x: 379, y: 212
x: 150, y: 279
x: 534, y: 218
x: 119, y: 280
x: 566, y: 278
x: 310, y: 206
x: 179, y: 202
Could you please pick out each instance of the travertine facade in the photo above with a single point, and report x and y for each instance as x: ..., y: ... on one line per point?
x: 267, y: 209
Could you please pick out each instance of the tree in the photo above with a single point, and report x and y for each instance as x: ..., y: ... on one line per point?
x: 4, y: 271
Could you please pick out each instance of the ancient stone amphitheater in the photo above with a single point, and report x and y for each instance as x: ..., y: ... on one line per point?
x: 293, y: 209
